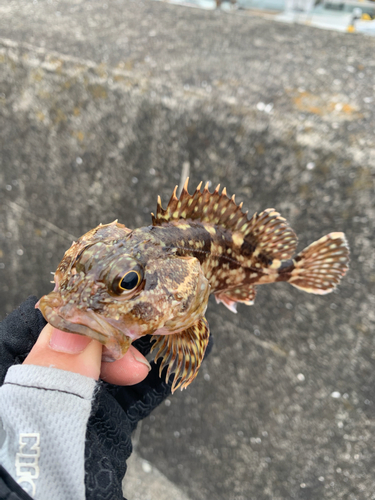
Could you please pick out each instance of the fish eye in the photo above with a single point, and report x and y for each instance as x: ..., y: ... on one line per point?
x: 128, y: 281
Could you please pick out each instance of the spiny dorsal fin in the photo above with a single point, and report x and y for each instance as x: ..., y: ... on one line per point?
x: 268, y: 231
x: 214, y: 208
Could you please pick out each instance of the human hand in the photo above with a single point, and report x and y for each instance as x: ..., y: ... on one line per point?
x: 79, y: 354
x: 115, y: 408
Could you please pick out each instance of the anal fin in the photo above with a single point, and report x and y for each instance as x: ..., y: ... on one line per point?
x: 244, y: 294
x: 182, y: 352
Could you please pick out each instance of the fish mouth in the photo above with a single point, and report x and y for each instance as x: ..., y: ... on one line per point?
x: 68, y: 318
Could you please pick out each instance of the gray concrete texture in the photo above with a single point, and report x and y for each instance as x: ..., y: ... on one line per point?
x: 101, y: 106
x: 143, y: 481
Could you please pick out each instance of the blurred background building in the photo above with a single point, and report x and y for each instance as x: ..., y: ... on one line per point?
x: 339, y: 15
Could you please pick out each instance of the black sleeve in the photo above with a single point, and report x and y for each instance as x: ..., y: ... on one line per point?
x: 115, y: 413
x: 10, y: 489
x: 18, y: 333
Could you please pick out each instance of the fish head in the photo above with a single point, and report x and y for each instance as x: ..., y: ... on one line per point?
x: 108, y: 291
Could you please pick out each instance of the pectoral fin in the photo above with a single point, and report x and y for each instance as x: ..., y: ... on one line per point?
x: 182, y: 352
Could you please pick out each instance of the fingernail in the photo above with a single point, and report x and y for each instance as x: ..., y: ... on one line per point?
x: 141, y: 359
x: 70, y: 343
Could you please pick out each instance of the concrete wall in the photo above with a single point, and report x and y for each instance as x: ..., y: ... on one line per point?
x: 101, y: 106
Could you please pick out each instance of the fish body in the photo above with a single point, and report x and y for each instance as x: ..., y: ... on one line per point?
x: 116, y: 285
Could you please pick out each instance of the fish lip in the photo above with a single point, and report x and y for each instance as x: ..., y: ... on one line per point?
x: 90, y: 325
x: 58, y: 321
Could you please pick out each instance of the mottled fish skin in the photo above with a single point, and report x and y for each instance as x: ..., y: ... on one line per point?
x: 200, y: 244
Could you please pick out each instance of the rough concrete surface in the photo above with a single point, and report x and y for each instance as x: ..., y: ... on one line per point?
x: 101, y: 106
x: 143, y: 481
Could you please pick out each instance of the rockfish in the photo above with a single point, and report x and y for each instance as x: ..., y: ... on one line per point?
x: 116, y: 284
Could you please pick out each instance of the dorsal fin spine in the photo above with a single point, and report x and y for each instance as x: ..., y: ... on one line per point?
x: 174, y: 194
x: 215, y: 208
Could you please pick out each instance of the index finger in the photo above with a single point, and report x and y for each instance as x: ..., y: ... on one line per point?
x: 131, y: 369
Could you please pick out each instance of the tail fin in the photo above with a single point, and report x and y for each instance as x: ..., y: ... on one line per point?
x: 319, y: 267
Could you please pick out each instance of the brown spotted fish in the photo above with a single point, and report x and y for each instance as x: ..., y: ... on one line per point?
x: 116, y: 284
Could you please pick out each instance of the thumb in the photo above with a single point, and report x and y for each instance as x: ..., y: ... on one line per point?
x: 66, y: 351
